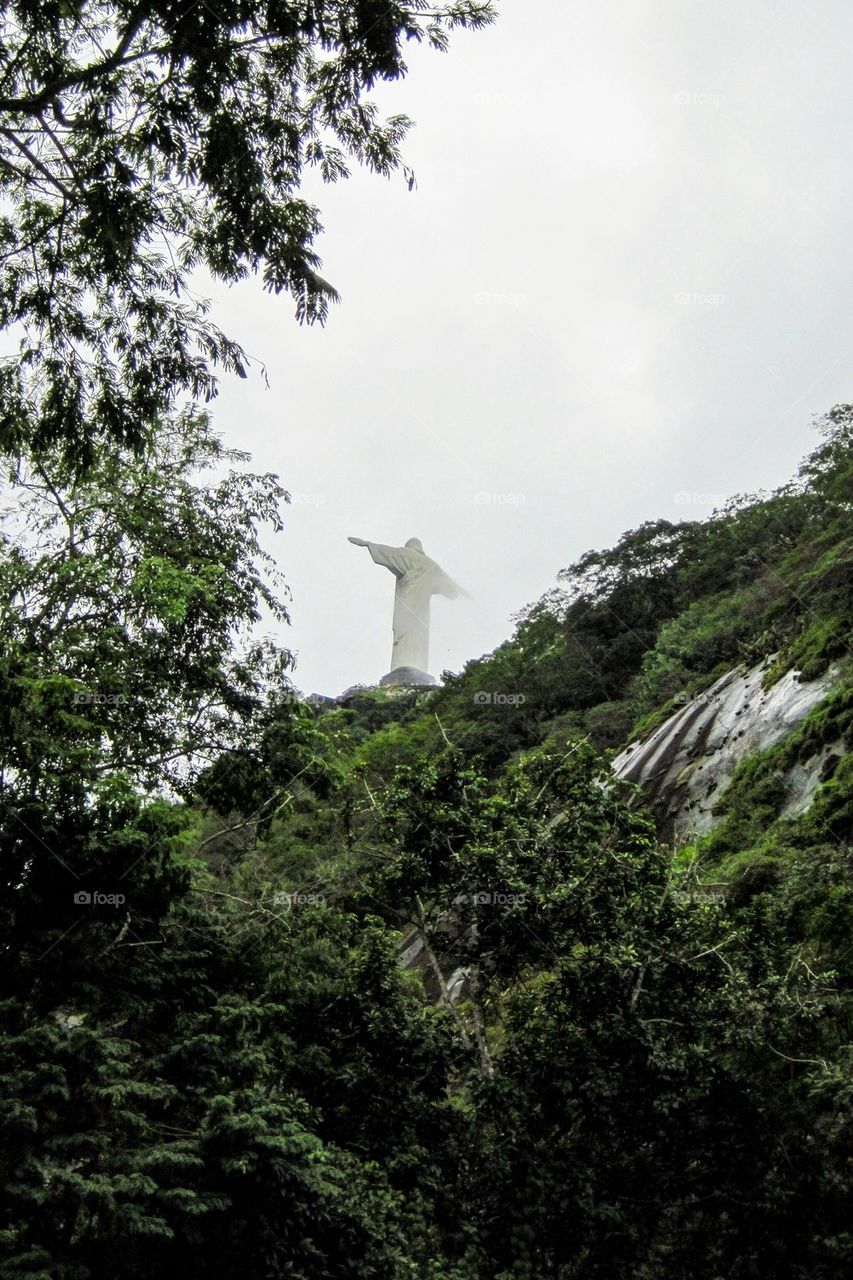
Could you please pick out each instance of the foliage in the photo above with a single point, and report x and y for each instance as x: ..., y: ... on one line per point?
x: 139, y: 143
x: 210, y: 1088
x: 129, y: 600
x: 609, y: 1062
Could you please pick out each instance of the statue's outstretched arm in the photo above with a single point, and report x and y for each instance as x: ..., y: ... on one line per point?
x: 393, y: 558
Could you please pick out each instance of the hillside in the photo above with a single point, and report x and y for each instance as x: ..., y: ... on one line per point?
x: 413, y: 985
x: 654, y: 1024
x: 646, y: 633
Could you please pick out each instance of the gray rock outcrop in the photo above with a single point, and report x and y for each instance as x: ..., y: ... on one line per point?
x: 685, y: 765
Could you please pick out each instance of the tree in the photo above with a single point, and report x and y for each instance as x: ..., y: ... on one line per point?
x: 222, y: 1087
x: 139, y: 142
x: 162, y: 1040
x: 195, y: 1081
x: 129, y: 602
x: 643, y: 1062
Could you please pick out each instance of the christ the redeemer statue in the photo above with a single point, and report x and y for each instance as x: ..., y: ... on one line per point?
x: 418, y: 578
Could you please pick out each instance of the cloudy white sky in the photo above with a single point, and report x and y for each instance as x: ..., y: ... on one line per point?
x: 619, y: 292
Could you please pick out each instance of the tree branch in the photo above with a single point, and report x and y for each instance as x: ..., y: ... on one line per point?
x: 35, y: 162
x: 35, y: 105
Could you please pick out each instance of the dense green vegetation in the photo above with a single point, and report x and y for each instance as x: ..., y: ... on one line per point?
x: 592, y: 1066
x: 221, y: 1065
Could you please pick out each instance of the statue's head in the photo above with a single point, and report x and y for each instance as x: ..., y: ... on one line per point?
x: 415, y: 544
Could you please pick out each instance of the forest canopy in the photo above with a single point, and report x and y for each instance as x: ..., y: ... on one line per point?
x: 388, y: 987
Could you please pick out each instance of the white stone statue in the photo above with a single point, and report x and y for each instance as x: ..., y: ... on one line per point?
x: 418, y: 579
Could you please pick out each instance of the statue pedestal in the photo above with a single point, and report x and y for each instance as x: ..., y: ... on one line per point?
x: 408, y: 676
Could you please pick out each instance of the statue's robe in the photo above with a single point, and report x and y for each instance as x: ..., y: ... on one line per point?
x: 418, y: 579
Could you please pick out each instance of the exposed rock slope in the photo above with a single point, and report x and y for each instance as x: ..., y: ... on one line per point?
x: 685, y: 765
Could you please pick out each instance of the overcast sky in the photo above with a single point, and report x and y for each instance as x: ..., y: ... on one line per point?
x: 619, y: 292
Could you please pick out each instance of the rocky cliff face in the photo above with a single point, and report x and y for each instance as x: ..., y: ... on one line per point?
x: 685, y: 765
